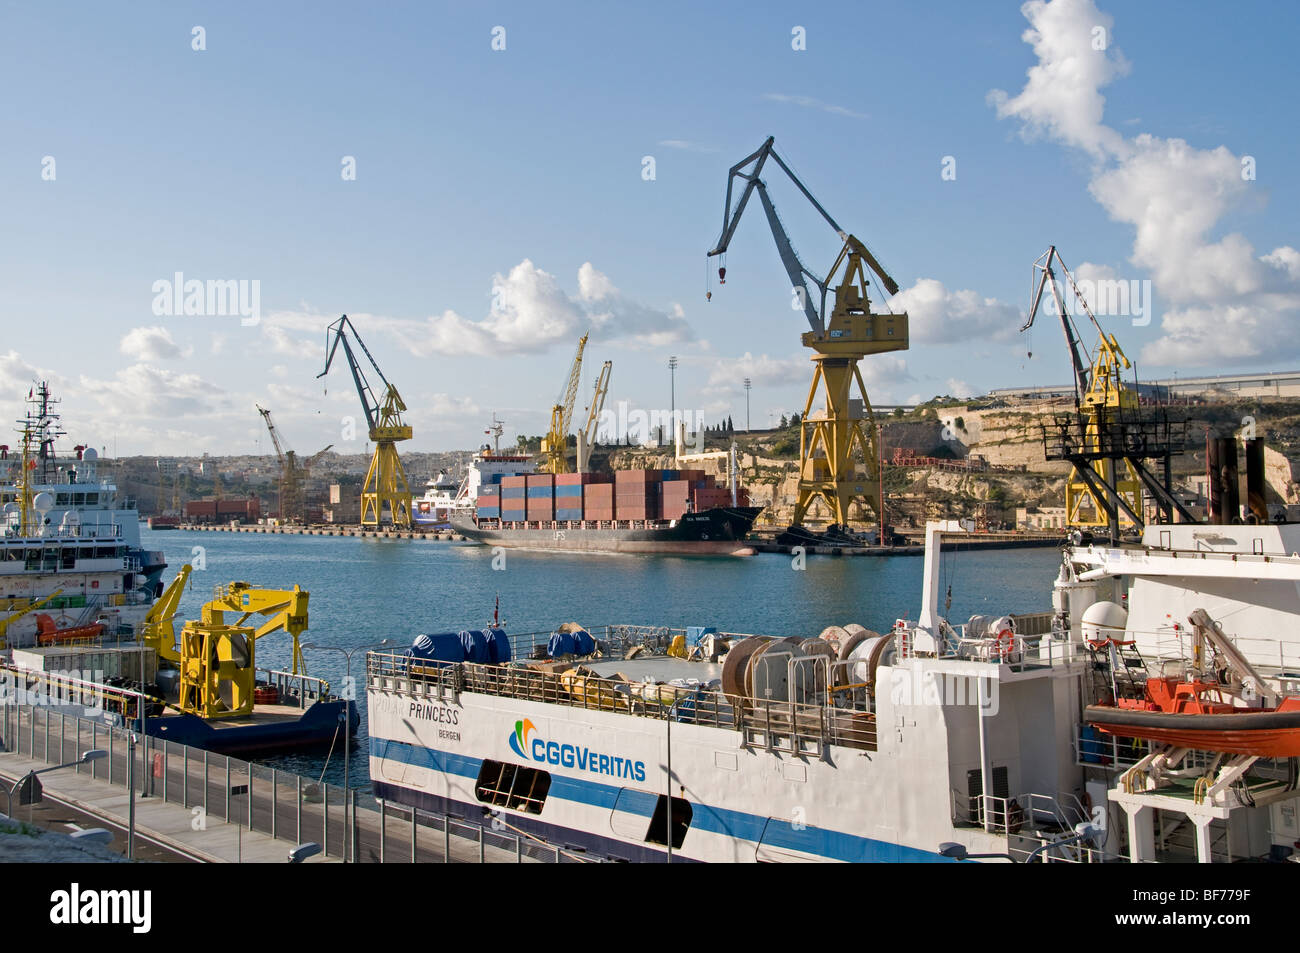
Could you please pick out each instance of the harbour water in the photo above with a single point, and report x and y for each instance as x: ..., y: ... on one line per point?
x: 365, y: 590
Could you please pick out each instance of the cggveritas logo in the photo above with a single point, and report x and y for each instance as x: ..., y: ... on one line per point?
x: 77, y: 906
x: 583, y: 758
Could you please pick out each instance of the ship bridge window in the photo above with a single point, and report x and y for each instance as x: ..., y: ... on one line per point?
x: 62, y: 499
x: 512, y: 786
x: 658, y: 832
x: 78, y: 499
x: 12, y: 555
x: 68, y: 559
x: 92, y: 499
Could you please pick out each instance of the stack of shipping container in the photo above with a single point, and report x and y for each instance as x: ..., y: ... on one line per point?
x: 638, y: 495
x: 489, y: 502
x: 541, y: 497
x: 514, y: 499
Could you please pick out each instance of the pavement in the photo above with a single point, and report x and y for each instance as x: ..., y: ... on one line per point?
x: 169, y: 827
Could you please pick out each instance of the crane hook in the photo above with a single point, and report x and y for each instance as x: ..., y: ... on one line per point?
x: 722, y: 276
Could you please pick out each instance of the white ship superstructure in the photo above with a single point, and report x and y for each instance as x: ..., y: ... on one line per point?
x: 445, y: 498
x: 70, y: 548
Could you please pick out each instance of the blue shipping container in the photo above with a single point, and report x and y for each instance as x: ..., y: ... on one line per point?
x: 568, y: 514
x: 568, y: 491
x: 540, y: 492
x: 489, y: 512
x: 512, y: 492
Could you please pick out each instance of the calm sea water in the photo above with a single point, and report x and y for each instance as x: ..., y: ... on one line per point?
x: 364, y: 590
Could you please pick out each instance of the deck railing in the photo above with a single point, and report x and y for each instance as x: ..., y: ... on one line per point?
x: 777, y: 725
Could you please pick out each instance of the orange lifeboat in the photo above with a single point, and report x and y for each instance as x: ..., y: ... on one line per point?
x: 48, y: 633
x: 1184, y: 713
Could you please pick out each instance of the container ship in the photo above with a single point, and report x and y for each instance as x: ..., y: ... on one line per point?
x: 629, y: 511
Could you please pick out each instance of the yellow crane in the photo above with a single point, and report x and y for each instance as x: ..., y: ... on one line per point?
x: 838, y: 456
x: 1108, y: 438
x: 587, y: 435
x: 385, y: 485
x: 294, y: 473
x: 555, y: 443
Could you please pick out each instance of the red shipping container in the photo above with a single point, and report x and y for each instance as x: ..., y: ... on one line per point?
x: 541, y: 479
x: 579, y: 479
x: 514, y: 481
x: 635, y: 477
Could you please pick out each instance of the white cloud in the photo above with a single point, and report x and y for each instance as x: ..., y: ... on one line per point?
x: 151, y: 344
x: 528, y: 314
x: 282, y: 342
x: 145, y: 392
x: 727, y: 376
x: 686, y: 145
x: 808, y: 102
x: 1228, y: 302
x: 939, y: 316
x: 960, y: 389
x: 1062, y: 96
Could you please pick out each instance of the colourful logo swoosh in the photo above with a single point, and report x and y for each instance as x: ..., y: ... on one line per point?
x: 519, y: 740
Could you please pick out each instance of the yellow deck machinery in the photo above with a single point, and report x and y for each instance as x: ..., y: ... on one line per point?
x: 838, y: 457
x: 215, y: 656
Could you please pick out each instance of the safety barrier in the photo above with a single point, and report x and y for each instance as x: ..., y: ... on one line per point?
x: 220, y: 789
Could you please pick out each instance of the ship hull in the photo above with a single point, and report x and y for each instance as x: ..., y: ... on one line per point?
x: 715, y: 532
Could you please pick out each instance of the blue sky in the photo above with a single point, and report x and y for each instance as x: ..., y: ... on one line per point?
x: 521, y: 170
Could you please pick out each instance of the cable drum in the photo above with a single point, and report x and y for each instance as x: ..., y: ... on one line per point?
x: 735, y: 667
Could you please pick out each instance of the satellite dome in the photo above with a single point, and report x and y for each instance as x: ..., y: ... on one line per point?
x: 90, y: 453
x: 44, y: 502
x: 1104, y: 620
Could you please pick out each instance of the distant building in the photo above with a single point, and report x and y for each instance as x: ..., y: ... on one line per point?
x: 1216, y: 387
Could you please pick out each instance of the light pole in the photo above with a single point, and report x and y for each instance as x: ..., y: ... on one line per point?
x: 748, y: 384
x: 347, y: 732
x: 94, y: 754
x: 672, y: 371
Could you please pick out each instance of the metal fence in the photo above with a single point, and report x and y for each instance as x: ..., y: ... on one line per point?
x: 220, y: 789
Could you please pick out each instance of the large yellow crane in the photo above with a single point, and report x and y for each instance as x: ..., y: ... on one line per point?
x: 587, y: 435
x: 1108, y: 438
x: 294, y: 473
x: 838, y: 457
x: 555, y: 443
x: 385, y: 484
